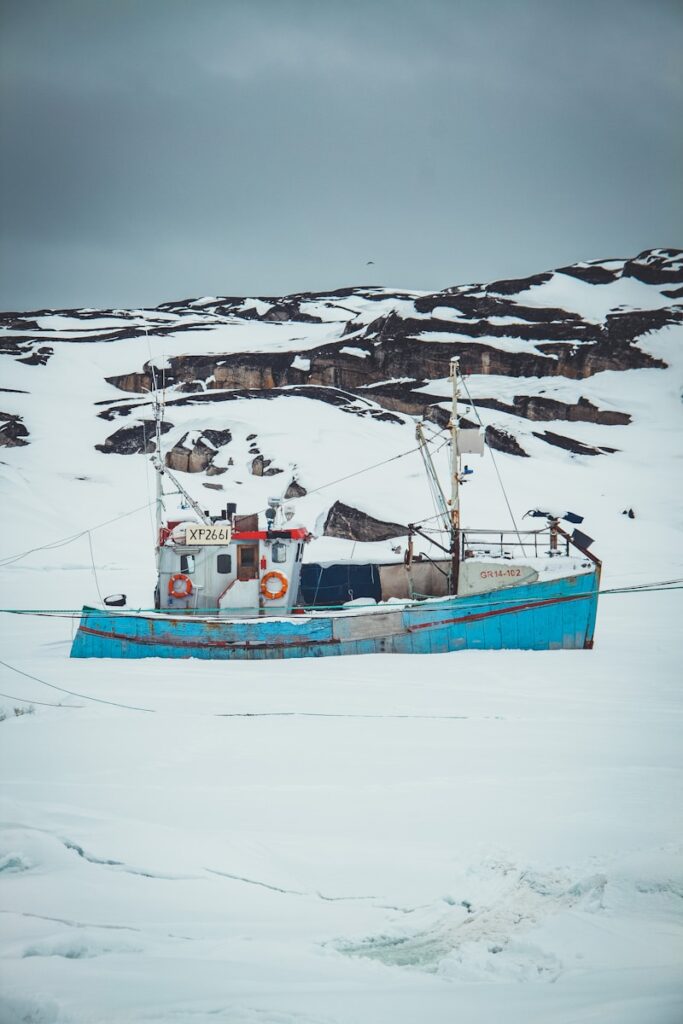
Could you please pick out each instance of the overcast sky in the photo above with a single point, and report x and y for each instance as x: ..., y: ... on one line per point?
x: 158, y: 149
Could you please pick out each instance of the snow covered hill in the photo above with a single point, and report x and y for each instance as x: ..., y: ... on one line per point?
x: 485, y: 835
x: 576, y: 374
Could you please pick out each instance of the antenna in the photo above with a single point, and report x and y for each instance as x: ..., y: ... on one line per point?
x: 164, y: 470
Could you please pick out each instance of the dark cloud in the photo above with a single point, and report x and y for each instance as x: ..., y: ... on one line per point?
x: 160, y: 149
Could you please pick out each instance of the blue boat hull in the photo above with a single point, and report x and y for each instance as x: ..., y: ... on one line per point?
x: 553, y: 615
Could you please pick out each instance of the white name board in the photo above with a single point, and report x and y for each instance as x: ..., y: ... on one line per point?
x: 478, y: 577
x: 217, y: 534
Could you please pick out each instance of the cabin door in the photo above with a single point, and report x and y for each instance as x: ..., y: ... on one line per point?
x: 247, y: 561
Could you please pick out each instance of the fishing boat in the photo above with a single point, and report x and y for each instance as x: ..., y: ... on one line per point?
x: 235, y: 586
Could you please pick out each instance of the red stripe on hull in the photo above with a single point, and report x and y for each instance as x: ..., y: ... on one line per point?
x: 160, y: 642
x: 477, y: 616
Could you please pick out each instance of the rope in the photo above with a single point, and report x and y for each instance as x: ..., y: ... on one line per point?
x: 72, y: 693
x: 43, y: 703
x: 639, y: 588
x: 659, y: 586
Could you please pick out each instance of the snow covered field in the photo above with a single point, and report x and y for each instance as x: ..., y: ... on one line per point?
x: 481, y: 836
x: 475, y: 837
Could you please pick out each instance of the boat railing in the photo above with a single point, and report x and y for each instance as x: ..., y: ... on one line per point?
x: 547, y: 542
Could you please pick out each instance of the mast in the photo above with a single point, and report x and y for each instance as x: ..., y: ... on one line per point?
x: 159, y: 504
x: 455, y: 478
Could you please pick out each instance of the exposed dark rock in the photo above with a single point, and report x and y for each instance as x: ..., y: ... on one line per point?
x: 133, y: 440
x: 570, y: 444
x: 283, y: 310
x: 560, y: 344
x: 13, y: 433
x: 218, y: 438
x: 536, y: 407
x: 516, y: 285
x: 200, y: 456
x: 553, y: 342
x: 399, y: 396
x: 577, y: 362
x: 135, y: 382
x: 38, y: 357
x: 623, y: 328
x: 591, y: 273
x: 656, y: 266
x: 264, y: 467
x: 12, y: 346
x: 260, y: 370
x: 295, y: 490
x: 125, y: 332
x: 439, y: 415
x: 566, y: 328
x: 332, y: 396
x: 383, y: 417
x: 481, y: 306
x: 14, y: 321
x: 503, y: 441
x: 351, y: 524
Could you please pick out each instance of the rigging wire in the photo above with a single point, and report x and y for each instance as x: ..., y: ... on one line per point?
x: 358, y: 472
x: 656, y: 586
x: 665, y: 586
x: 147, y: 487
x: 62, y: 542
x: 495, y: 464
x: 367, y: 469
x: 94, y: 570
x: 435, y: 492
x: 11, y: 559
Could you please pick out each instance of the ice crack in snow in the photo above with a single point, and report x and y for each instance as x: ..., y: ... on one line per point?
x: 286, y: 892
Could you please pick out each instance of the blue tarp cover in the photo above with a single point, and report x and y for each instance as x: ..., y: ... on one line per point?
x: 336, y: 584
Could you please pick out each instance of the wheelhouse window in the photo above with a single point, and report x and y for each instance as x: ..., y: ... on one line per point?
x: 187, y: 563
x: 224, y: 564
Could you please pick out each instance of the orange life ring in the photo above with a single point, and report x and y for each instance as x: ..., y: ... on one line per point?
x: 277, y: 594
x: 179, y: 578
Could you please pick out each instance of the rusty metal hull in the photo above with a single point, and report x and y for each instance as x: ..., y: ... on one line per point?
x: 552, y: 615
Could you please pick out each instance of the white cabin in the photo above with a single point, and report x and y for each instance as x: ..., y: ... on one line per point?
x: 242, y: 565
